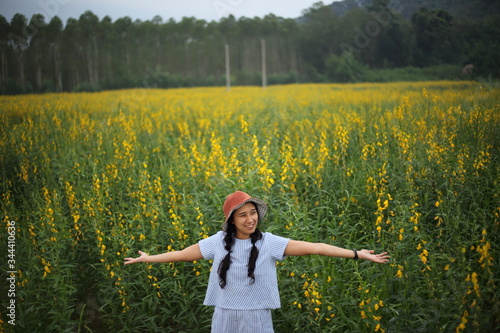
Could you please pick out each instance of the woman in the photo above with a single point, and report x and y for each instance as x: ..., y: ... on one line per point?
x: 243, y: 285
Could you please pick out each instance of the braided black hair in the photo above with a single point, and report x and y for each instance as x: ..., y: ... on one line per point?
x: 254, y: 254
x: 226, y: 262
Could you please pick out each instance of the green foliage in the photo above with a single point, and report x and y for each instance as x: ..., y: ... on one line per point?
x: 433, y: 73
x: 85, y: 87
x: 344, y: 68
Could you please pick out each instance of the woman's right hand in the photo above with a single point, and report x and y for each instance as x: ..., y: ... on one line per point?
x: 141, y: 258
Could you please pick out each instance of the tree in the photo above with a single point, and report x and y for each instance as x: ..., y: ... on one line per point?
x: 18, y: 40
x: 434, y: 39
x: 4, y: 31
x: 72, y: 54
x: 106, y: 44
x: 87, y: 25
x: 344, y: 68
x: 393, y: 43
x: 54, y: 32
x: 36, y: 51
x: 123, y: 34
x: 319, y: 36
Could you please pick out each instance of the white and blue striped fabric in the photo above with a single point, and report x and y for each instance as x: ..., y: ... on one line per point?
x: 239, y: 293
x: 242, y: 321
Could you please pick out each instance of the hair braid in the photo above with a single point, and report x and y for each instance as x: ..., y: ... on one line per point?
x: 226, y: 262
x: 254, y: 254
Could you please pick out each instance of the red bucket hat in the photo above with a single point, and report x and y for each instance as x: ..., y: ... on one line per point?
x: 238, y: 199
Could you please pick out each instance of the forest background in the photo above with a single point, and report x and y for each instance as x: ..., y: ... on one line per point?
x: 346, y: 41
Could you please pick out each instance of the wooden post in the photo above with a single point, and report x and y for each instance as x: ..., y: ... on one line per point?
x: 264, y: 77
x: 228, y: 70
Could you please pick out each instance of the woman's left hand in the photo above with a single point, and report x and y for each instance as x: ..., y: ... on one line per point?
x: 381, y: 258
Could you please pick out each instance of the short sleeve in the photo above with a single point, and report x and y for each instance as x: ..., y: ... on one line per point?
x: 276, y: 245
x: 208, y: 245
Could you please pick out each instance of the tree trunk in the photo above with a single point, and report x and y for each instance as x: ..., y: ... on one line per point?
x: 21, y: 70
x: 96, y: 63
x: 3, y: 71
x: 57, y: 67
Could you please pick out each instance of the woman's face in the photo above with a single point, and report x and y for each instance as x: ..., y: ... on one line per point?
x: 245, y: 219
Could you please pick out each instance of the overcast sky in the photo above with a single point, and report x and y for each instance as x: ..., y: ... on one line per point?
x: 208, y: 10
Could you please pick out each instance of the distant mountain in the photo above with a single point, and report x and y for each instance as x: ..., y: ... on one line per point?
x: 460, y: 9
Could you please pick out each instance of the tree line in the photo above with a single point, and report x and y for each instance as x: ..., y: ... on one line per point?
x: 89, y: 53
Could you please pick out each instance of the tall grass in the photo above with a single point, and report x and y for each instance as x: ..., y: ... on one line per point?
x: 410, y: 168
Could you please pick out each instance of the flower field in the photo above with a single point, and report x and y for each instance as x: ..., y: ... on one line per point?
x: 409, y: 168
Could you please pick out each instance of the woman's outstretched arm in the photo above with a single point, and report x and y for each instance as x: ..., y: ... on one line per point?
x: 299, y: 248
x: 190, y: 253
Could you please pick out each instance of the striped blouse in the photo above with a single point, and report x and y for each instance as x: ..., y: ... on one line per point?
x: 239, y: 293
